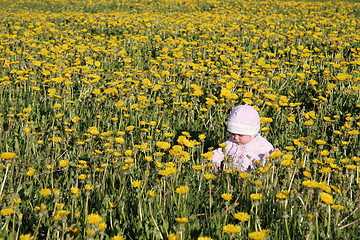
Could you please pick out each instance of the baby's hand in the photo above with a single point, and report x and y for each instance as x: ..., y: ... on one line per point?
x: 216, y: 167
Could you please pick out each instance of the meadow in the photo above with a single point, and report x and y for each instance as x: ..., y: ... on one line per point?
x: 110, y: 111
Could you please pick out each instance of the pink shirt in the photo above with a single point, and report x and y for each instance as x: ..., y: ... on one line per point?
x: 244, y: 156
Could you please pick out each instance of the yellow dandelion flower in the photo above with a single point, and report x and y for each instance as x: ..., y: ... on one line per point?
x: 63, y: 213
x: 129, y: 128
x: 307, y: 174
x: 173, y: 236
x: 30, y: 172
x: 182, y: 190
x: 94, y: 218
x: 337, y: 132
x: 325, y: 170
x: 275, y: 154
x: 164, y: 172
x: 119, y: 103
x: 204, y: 238
x: 353, y: 132
x: 291, y: 118
x: 197, y: 167
x: 182, y: 220
x: 152, y: 193
x: 326, y: 198
x: 257, y: 182
x: 7, y: 155
x: 350, y: 167
x: 163, y: 145
x: 119, y: 140
x: 26, y: 237
x: 57, y: 105
x: 117, y: 238
x: 94, y: 132
x: 56, y: 218
x: 297, y: 142
x: 82, y: 176
x: 91, y: 232
x: 75, y: 119
x: 337, y: 207
x: 63, y: 163
x: 256, y: 196
x: 207, y: 155
x: 259, y: 235
x: 136, y: 183
x: 324, y: 153
x: 281, y: 196
x: 231, y: 228
x: 320, y: 142
x: 309, y: 123
x: 56, y: 139
x: 45, y: 192
x: 7, y: 211
x: 102, y: 226
x: 222, y: 145
x: 287, y: 163
x: 75, y: 190
x: 244, y: 175
x: 242, y: 216
x: 202, y: 137
x: 148, y: 158
x: 227, y: 196
x: 128, y: 153
x: 27, y: 130
x: 323, y: 186
x: 209, y: 176
x: 310, y: 183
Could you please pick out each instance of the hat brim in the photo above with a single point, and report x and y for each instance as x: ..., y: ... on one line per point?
x: 244, y: 129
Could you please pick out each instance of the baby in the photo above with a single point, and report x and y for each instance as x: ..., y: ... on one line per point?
x: 246, y: 145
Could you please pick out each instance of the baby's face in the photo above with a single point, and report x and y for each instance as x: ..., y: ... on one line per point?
x: 240, y: 139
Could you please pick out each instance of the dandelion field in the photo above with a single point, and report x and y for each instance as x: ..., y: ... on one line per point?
x: 111, y: 110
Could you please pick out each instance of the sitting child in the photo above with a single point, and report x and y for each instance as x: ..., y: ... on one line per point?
x: 246, y: 145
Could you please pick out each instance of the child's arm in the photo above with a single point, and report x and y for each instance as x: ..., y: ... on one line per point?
x: 276, y: 150
x: 217, y: 158
x: 271, y: 151
x: 267, y: 148
x: 219, y: 154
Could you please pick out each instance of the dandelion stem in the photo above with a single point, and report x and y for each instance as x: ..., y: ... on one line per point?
x: 291, y: 181
x: 18, y: 230
x: 347, y: 216
x: 164, y: 196
x: 287, y: 229
x: 166, y: 227
x: 86, y: 205
x: 6, y: 225
x: 2, y: 186
x: 317, y: 227
x: 328, y: 181
x: 210, y: 201
x: 13, y: 227
x: 152, y: 217
x: 329, y: 219
x: 140, y: 212
x: 226, y: 212
x: 72, y: 210
x: 256, y: 211
x: 178, y: 207
x: 349, y: 224
x: 37, y: 228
